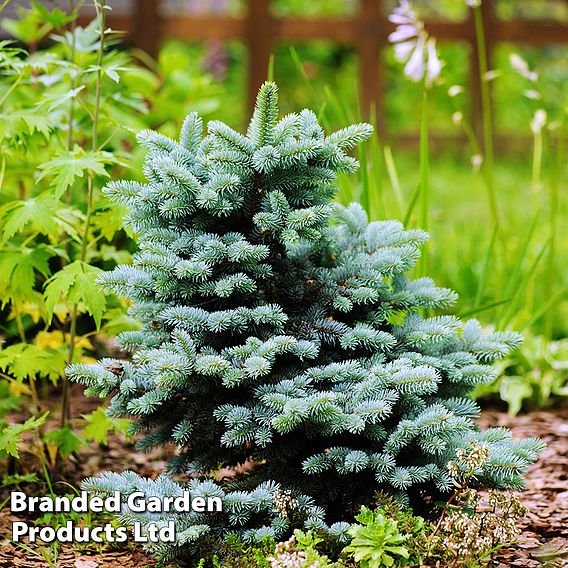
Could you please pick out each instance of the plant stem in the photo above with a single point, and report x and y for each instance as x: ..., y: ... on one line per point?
x: 425, y: 182
x: 486, y: 114
x: 444, y: 512
x: 65, y: 401
x: 23, y: 339
x: 100, y: 10
x: 11, y: 89
x: 550, y: 281
x: 71, y: 115
x: 536, y: 184
x: 65, y: 405
x: 2, y: 172
x: 4, y: 4
x: 101, y: 13
x: 536, y: 168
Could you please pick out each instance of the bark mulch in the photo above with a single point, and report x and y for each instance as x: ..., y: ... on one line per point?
x: 543, y: 542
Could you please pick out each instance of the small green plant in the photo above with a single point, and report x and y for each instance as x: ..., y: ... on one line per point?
x: 236, y: 553
x: 533, y: 376
x: 377, y: 540
x: 414, y: 526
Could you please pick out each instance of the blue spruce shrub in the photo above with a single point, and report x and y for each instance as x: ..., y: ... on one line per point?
x: 280, y: 330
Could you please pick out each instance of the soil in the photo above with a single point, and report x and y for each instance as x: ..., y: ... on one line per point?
x: 543, y: 542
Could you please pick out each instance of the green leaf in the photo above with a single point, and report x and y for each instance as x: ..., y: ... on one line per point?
x: 376, y: 539
x: 56, y: 17
x: 111, y: 253
x: 17, y: 272
x: 25, y: 361
x: 70, y: 165
x: 65, y: 439
x: 513, y: 391
x: 116, y: 321
x: 36, y: 212
x: 19, y: 479
x: 57, y: 100
x: 108, y: 218
x: 33, y: 121
x: 111, y: 70
x: 26, y: 28
x: 100, y: 424
x: 11, y: 435
x: 76, y: 284
x: 306, y: 539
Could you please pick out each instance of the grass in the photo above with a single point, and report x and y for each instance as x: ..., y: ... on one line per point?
x: 513, y: 282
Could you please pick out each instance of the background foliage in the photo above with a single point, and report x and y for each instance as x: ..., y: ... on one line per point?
x: 68, y: 116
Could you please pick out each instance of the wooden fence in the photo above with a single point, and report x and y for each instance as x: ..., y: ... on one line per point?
x: 367, y: 31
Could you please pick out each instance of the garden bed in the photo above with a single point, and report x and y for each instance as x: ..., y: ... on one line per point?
x: 545, y: 527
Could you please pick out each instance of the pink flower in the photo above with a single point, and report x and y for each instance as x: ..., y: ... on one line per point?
x: 414, y: 68
x: 413, y: 46
x: 434, y: 64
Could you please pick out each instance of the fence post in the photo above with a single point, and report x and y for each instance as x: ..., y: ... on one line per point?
x: 371, y: 39
x: 259, y: 43
x: 488, y: 15
x: 145, y: 27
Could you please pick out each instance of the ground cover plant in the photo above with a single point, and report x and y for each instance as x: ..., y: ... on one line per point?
x: 270, y: 315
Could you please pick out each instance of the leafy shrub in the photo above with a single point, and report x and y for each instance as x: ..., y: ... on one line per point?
x: 68, y: 116
x: 279, y: 330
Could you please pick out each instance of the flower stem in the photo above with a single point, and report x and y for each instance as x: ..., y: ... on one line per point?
x: 486, y: 114
x: 536, y: 184
x: 425, y: 182
x: 71, y: 114
x: 100, y: 10
x: 23, y: 339
x: 536, y: 168
x: 554, y: 194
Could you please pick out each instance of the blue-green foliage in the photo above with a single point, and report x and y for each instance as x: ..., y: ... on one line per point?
x: 279, y: 330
